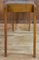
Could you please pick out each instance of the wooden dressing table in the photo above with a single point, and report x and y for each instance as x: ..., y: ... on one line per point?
x: 20, y: 6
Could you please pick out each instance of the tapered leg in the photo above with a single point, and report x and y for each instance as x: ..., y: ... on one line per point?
x: 5, y: 32
x: 34, y: 51
x: 12, y: 23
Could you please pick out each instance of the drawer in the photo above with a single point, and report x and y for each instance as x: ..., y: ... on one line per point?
x: 19, y: 8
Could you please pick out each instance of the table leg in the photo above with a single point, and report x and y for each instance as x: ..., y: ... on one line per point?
x: 5, y: 31
x: 34, y: 52
x: 28, y: 19
x: 12, y: 23
x: 29, y: 22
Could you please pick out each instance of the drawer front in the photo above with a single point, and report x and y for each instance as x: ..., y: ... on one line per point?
x: 19, y: 8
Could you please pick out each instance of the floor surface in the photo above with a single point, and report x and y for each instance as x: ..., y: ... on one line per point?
x: 19, y: 43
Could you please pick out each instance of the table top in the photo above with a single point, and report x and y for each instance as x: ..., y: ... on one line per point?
x: 19, y: 2
x: 20, y: 6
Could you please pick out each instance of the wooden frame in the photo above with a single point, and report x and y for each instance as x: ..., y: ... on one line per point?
x: 5, y: 25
